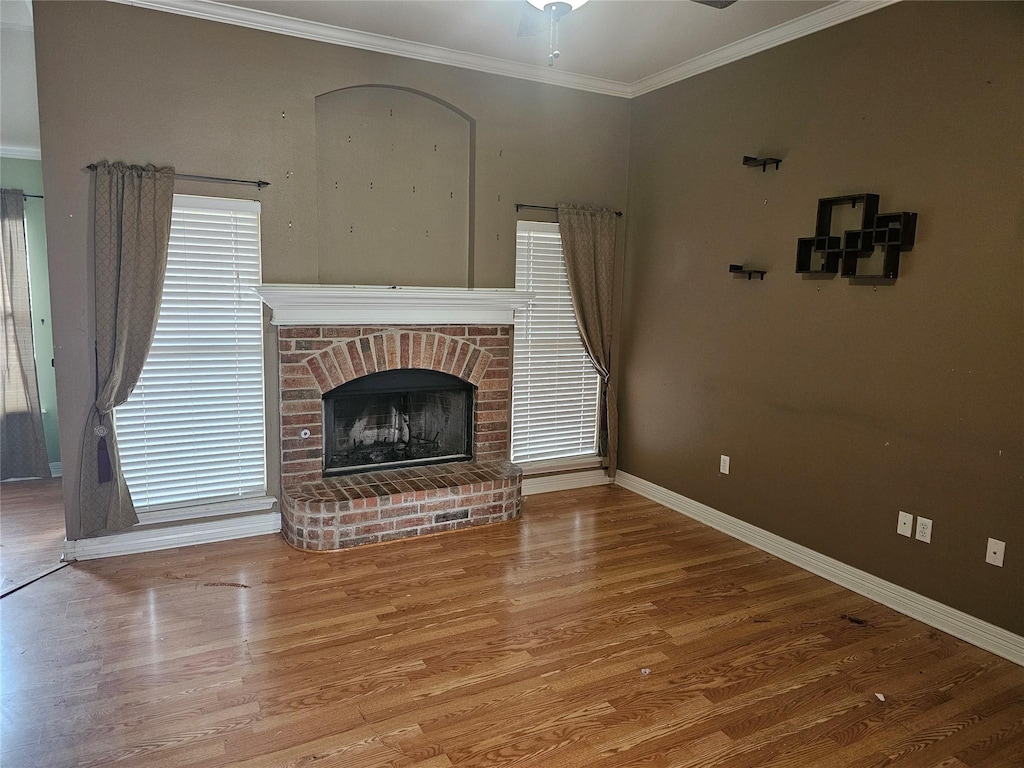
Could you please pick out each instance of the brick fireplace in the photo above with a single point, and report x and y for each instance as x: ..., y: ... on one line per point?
x: 336, y: 511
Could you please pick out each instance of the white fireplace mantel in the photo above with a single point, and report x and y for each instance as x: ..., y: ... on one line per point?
x: 370, y: 304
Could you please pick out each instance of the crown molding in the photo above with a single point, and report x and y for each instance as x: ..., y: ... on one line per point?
x: 368, y: 41
x: 295, y: 304
x: 826, y: 17
x: 20, y: 153
x: 210, y: 10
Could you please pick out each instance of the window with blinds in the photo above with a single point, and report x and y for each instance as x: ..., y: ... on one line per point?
x: 192, y: 430
x: 555, y: 388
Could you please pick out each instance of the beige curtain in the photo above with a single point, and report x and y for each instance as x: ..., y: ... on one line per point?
x: 131, y: 227
x: 588, y: 242
x: 22, y: 447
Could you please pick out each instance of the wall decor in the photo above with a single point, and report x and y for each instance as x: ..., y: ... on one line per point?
x: 869, y: 250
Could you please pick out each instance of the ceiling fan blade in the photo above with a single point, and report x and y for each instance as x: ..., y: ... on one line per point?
x: 715, y: 3
x: 532, y: 22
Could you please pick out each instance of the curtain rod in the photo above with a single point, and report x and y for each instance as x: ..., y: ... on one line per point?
x: 37, y: 197
x: 259, y: 183
x: 548, y: 208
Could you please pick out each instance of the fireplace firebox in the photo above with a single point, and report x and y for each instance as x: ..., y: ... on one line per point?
x: 397, y: 418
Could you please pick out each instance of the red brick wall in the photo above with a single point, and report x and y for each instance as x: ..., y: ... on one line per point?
x: 316, y: 359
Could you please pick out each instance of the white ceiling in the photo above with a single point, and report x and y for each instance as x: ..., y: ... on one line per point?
x: 619, y: 47
x: 619, y: 40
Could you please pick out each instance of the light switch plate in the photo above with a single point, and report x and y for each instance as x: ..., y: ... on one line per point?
x: 994, y: 553
x: 723, y: 465
x: 905, y: 526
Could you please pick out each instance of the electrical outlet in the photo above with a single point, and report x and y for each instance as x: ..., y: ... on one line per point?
x: 994, y: 553
x: 905, y: 526
x: 924, y: 530
x: 723, y: 465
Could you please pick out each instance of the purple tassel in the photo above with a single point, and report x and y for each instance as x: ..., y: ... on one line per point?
x: 104, y: 470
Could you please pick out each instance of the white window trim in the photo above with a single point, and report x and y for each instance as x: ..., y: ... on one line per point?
x: 571, y: 464
x: 174, y: 513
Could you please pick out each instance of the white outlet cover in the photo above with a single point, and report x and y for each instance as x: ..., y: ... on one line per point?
x: 924, y: 530
x: 905, y: 525
x: 723, y: 465
x: 995, y: 551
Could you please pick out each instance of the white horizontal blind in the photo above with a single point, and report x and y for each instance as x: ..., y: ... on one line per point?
x: 192, y: 430
x: 555, y: 387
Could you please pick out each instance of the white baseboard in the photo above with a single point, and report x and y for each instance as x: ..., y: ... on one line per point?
x: 150, y: 538
x: 54, y: 469
x: 957, y: 623
x: 565, y: 481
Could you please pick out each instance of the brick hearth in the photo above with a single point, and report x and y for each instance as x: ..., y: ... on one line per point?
x: 374, y: 507
x: 331, y: 513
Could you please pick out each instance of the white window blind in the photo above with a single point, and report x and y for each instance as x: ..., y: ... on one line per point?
x: 192, y: 430
x: 555, y: 387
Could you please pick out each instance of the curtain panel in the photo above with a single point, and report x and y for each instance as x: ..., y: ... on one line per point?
x: 131, y: 229
x: 588, y: 244
x: 22, y: 446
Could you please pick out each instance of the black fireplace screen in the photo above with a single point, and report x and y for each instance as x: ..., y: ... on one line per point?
x: 397, y: 418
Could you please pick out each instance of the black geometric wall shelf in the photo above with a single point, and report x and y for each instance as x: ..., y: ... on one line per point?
x: 872, y: 250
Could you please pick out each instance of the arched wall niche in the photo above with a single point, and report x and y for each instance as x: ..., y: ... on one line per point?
x: 395, y: 183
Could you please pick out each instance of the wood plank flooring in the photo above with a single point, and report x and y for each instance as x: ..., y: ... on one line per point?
x: 31, y: 528
x: 600, y: 631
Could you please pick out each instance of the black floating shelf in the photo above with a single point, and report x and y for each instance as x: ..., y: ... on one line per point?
x: 761, y: 162
x: 739, y: 269
x: 885, y: 234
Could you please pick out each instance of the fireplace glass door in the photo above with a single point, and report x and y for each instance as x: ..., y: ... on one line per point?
x: 397, y: 419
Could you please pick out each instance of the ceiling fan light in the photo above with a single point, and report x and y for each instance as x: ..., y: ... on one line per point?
x: 542, y: 5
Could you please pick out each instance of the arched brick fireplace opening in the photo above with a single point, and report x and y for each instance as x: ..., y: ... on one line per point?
x: 363, y: 504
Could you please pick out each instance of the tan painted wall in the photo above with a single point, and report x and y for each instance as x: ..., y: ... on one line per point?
x: 841, y: 404
x: 123, y: 83
x: 393, y: 180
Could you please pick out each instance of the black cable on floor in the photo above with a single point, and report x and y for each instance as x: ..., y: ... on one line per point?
x: 37, y: 577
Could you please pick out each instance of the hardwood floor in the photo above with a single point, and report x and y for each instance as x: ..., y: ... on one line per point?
x: 31, y: 528
x: 600, y: 631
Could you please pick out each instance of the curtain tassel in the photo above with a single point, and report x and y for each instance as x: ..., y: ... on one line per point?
x: 104, y: 472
